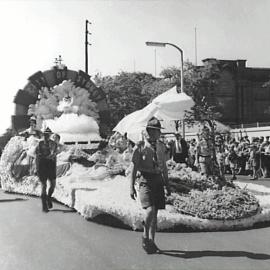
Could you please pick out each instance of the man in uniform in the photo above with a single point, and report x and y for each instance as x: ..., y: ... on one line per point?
x: 149, y: 160
x: 204, y: 152
x: 46, y: 152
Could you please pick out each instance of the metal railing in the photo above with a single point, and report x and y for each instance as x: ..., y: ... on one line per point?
x: 250, y: 125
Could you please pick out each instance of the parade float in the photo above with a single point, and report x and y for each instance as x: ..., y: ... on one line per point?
x: 97, y: 184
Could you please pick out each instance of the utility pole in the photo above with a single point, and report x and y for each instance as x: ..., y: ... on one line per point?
x: 155, y: 62
x: 86, y: 45
x: 195, y: 46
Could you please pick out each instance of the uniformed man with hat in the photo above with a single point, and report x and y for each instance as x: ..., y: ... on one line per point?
x: 149, y: 160
x: 46, y: 152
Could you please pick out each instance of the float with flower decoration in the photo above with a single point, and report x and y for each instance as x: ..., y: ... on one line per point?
x: 98, y: 183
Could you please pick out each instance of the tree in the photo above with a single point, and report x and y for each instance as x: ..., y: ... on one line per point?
x: 156, y: 87
x: 200, y: 84
x: 125, y: 93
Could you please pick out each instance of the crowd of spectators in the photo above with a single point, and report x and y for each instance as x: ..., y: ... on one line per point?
x: 241, y: 156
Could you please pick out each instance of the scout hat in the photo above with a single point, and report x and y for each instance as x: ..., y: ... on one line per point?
x: 32, y: 120
x: 154, y: 123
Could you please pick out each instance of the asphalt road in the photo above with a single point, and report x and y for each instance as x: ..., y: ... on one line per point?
x: 62, y: 239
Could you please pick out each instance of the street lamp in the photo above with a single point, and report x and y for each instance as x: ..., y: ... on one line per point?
x: 163, y: 44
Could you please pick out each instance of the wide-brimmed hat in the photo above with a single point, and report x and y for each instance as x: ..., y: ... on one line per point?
x: 32, y: 120
x: 47, y: 131
x: 154, y: 123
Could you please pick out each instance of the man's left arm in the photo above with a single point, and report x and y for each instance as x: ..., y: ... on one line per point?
x: 53, y: 153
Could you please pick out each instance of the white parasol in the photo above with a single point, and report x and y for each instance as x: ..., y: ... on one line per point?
x: 168, y: 106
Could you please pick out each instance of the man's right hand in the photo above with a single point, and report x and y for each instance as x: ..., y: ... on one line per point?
x: 133, y: 193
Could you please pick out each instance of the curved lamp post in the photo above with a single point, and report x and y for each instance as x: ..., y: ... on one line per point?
x: 164, y: 44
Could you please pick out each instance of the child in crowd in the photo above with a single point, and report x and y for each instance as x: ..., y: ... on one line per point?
x: 254, y: 162
x: 220, y: 154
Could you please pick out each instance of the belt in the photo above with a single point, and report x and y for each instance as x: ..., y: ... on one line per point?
x: 203, y: 156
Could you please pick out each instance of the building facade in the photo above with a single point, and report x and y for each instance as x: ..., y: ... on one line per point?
x: 241, y: 92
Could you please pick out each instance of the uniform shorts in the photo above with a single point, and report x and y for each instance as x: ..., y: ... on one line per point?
x: 151, y: 191
x: 46, y: 169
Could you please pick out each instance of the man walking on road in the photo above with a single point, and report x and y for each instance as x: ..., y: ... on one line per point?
x: 46, y: 152
x: 149, y: 160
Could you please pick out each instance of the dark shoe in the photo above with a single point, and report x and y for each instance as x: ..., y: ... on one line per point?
x: 49, y: 203
x: 146, y: 245
x: 254, y: 178
x: 153, y: 246
x: 45, y: 209
x: 233, y: 178
x: 44, y: 204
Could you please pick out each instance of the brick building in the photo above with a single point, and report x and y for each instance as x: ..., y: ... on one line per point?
x: 241, y: 93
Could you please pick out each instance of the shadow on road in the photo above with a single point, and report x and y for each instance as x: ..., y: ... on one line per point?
x: 13, y: 200
x: 212, y: 253
x: 63, y: 210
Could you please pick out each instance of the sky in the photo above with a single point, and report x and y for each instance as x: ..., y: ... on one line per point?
x: 34, y: 33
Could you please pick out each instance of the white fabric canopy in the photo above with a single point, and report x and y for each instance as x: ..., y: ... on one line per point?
x: 168, y: 106
x: 172, y: 105
x: 135, y: 123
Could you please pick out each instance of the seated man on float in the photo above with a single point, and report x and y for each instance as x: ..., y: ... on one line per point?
x: 99, y: 157
x: 108, y: 157
x: 32, y: 130
x: 32, y: 136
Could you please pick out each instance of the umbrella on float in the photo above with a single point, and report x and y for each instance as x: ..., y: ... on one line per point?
x: 168, y: 106
x: 172, y: 105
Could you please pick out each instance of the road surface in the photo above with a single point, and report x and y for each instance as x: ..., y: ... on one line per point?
x: 64, y: 240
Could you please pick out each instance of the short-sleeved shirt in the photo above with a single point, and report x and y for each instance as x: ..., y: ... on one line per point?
x: 46, y: 150
x: 149, y: 159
